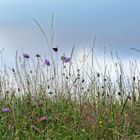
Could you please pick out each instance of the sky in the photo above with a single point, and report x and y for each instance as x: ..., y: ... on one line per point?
x: 76, y: 22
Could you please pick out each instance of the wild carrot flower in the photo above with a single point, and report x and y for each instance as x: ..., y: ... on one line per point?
x: 47, y: 62
x: 6, y: 110
x: 25, y: 55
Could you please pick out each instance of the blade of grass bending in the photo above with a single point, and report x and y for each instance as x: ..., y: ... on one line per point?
x: 72, y: 51
x: 44, y: 34
x: 134, y: 49
x: 41, y: 29
x: 124, y: 105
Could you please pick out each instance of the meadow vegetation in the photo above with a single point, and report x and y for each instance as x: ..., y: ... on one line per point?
x: 55, y: 99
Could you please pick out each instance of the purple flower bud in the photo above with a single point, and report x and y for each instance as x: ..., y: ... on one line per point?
x: 55, y: 49
x: 67, y: 59
x: 6, y: 110
x: 25, y: 55
x: 47, y: 62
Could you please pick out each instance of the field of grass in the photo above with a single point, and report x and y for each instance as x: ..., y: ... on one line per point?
x: 50, y: 100
x: 56, y: 99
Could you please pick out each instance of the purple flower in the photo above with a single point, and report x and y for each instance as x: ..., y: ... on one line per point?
x: 25, y: 55
x: 6, y: 110
x: 67, y: 59
x: 47, y: 62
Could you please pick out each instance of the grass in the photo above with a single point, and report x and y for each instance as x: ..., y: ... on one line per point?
x: 63, y: 101
x: 42, y: 107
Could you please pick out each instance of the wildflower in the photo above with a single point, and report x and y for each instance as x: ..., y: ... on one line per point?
x: 47, y: 62
x: 25, y: 55
x: 6, y: 110
x: 37, y: 55
x: 55, y: 49
x: 44, y: 118
x: 67, y: 59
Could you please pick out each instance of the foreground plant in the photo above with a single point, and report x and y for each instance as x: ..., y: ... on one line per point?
x: 44, y: 99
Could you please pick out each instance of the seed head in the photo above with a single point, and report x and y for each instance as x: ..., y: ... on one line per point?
x: 98, y: 75
x: 25, y: 55
x: 119, y: 93
x: 83, y: 81
x: 13, y: 70
x: 55, y: 49
x: 63, y: 58
x: 37, y: 55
